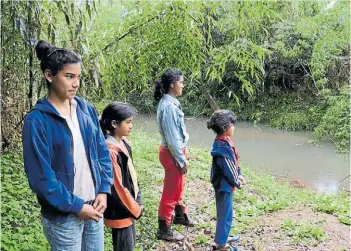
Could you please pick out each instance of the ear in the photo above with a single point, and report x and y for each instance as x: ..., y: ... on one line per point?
x: 48, y: 75
x: 114, y: 124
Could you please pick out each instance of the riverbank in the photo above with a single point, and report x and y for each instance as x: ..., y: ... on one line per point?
x: 267, y: 211
x: 326, y: 115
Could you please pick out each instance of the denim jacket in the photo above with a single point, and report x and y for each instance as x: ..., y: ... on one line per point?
x: 170, y: 120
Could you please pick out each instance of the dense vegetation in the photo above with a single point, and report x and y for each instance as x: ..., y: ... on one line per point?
x: 281, y: 62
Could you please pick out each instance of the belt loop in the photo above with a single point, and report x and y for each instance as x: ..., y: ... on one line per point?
x: 89, y: 202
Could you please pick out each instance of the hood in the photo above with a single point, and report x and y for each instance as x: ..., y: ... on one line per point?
x: 222, y: 148
x: 114, y: 145
x: 44, y: 106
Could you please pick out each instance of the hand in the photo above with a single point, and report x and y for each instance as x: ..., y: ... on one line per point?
x: 240, y: 184
x: 241, y: 178
x: 100, y: 203
x: 89, y: 213
x: 184, y: 169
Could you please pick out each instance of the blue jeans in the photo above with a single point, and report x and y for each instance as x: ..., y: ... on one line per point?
x: 224, y: 205
x: 75, y: 234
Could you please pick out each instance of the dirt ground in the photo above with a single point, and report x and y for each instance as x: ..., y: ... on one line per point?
x: 267, y: 233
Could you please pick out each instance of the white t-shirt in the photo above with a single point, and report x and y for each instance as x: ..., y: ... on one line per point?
x: 83, y: 180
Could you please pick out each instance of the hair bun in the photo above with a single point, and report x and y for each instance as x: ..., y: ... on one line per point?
x: 43, y: 49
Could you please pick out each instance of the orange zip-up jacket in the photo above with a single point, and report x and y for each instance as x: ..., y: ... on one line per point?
x: 122, y: 207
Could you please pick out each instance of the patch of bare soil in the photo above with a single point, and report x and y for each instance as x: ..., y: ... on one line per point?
x: 267, y: 234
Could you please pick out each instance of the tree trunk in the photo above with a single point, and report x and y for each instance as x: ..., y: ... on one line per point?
x: 32, y: 95
x: 208, y: 97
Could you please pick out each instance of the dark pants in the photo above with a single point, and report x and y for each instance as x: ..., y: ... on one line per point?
x: 224, y: 205
x: 124, y: 238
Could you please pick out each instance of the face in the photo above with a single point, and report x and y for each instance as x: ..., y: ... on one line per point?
x: 177, y: 87
x: 65, y: 83
x: 125, y: 127
x: 230, y: 131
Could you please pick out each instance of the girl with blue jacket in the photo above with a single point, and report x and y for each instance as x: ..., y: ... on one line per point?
x: 225, y: 174
x: 66, y: 158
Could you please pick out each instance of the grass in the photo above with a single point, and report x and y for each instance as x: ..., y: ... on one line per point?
x: 21, y: 226
x: 306, y: 232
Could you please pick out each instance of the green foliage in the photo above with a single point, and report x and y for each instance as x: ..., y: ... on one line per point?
x: 20, y: 213
x: 192, y: 36
x: 335, y: 123
x: 304, y: 231
x: 201, y: 239
x: 330, y: 41
x: 242, y: 52
x: 338, y: 206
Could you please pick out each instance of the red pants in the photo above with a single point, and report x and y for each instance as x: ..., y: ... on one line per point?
x: 173, y: 186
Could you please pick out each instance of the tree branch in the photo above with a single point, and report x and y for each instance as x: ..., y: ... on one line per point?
x: 315, y: 84
x: 116, y: 40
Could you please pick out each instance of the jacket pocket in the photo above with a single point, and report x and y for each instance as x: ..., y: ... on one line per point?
x: 180, y: 117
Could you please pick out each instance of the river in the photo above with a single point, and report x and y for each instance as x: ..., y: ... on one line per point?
x: 278, y: 152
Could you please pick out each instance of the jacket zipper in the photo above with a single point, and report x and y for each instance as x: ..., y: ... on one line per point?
x: 71, y: 153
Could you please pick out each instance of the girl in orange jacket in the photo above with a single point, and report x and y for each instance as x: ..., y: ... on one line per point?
x: 124, y: 204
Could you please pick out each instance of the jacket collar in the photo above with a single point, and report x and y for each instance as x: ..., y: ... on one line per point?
x: 115, y: 145
x: 225, y: 139
x: 222, y: 148
x: 171, y: 99
x: 45, y: 106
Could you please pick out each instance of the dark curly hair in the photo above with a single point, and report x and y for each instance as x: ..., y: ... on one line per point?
x: 117, y: 111
x: 162, y: 84
x: 53, y: 58
x: 221, y: 120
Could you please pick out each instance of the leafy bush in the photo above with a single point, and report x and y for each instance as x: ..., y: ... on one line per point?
x: 338, y: 206
x: 335, y: 123
x: 20, y: 212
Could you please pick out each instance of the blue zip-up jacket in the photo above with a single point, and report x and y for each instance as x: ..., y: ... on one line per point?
x: 48, y: 157
x: 224, y: 172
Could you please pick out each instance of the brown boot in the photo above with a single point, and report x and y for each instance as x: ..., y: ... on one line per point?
x: 165, y: 232
x: 182, y: 218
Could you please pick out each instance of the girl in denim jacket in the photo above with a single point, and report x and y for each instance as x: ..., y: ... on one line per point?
x: 172, y: 154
